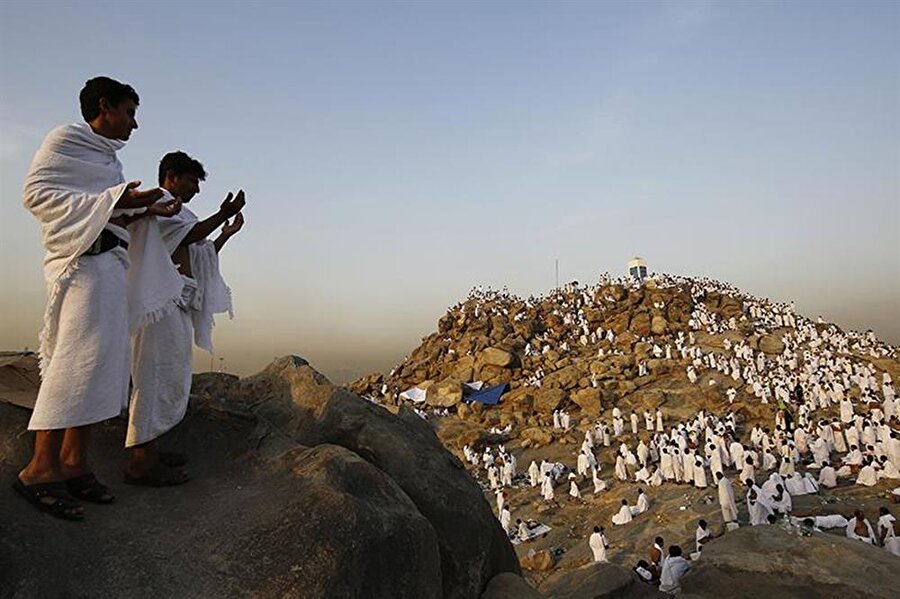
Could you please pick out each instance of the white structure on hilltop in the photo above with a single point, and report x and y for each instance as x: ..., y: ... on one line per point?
x: 637, y: 268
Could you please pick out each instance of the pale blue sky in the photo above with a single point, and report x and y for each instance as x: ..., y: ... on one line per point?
x: 395, y: 154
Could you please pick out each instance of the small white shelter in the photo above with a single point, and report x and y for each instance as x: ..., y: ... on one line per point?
x: 637, y: 268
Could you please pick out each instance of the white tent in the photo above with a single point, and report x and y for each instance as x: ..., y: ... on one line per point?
x: 415, y: 395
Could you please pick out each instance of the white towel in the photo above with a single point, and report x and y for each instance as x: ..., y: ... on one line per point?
x: 154, y: 284
x: 214, y: 295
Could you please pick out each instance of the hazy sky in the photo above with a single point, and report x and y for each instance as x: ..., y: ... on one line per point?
x: 395, y: 154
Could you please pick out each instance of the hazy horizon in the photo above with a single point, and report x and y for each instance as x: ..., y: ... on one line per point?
x: 397, y: 154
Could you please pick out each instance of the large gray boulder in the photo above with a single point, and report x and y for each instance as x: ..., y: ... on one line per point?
x: 299, y: 402
x: 510, y: 586
x: 598, y: 581
x: 768, y: 561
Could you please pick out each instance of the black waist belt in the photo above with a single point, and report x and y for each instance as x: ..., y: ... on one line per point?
x: 107, y: 241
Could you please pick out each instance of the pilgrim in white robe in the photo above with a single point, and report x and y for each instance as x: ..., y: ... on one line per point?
x: 780, y: 501
x: 700, y: 534
x: 867, y: 476
x: 687, y: 461
x: 828, y: 477
x: 726, y: 500
x: 162, y: 350
x: 624, y: 516
x: 574, y: 493
x: 886, y: 525
x: 582, y: 464
x: 534, y: 474
x: 547, y: 488
x: 867, y: 537
x: 504, y: 519
x: 796, y: 485
x: 699, y: 475
x: 598, y: 545
x: 673, y: 568
x: 758, y: 509
x: 599, y: 483
x: 71, y: 188
x: 643, y: 504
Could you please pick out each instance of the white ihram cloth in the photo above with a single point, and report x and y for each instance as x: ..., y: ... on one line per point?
x: 162, y: 350
x: 213, y: 294
x: 72, y: 187
x: 623, y: 517
x: 161, y: 372
x: 891, y: 542
x: 87, y: 379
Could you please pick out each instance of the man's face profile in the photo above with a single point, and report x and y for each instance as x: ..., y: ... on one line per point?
x: 184, y: 187
x: 120, y: 118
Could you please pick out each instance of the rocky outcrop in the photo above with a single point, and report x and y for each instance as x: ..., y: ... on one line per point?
x: 444, y: 394
x: 19, y: 378
x: 301, y: 403
x: 300, y: 489
x: 539, y: 561
x: 598, y: 581
x: 509, y: 586
x: 768, y: 561
x: 771, y: 344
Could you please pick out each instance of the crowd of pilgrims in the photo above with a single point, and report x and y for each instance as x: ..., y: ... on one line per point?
x: 836, y: 418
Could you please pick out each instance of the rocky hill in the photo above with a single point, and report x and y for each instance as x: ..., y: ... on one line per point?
x: 485, y: 339
x: 670, y: 344
x: 586, y: 347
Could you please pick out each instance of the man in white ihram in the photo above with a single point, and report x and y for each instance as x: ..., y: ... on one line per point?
x: 97, y: 291
x: 598, y: 544
x: 162, y: 350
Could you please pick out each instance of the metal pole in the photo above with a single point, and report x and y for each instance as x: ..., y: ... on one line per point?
x: 557, y: 274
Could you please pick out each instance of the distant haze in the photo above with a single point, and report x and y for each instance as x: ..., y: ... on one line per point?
x: 395, y: 155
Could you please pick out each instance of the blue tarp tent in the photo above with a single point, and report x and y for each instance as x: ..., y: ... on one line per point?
x: 489, y: 396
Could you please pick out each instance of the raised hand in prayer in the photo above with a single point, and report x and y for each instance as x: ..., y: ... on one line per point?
x: 233, y: 204
x: 134, y: 198
x: 230, y: 228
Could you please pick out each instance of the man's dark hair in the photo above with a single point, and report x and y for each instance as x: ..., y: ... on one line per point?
x: 674, y: 551
x: 103, y: 87
x: 180, y: 163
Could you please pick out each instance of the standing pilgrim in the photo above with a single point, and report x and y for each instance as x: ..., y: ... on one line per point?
x: 76, y: 191
x: 161, y: 372
x: 726, y: 498
x: 599, y: 544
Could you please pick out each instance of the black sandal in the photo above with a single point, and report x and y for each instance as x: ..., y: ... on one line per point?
x: 172, y: 459
x: 158, y: 476
x: 61, y: 507
x: 87, y: 488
